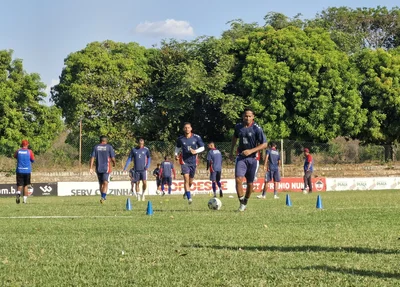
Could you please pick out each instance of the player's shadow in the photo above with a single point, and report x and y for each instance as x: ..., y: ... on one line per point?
x: 365, y: 273
x: 301, y: 248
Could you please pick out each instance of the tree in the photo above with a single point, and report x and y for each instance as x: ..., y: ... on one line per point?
x: 279, y: 21
x: 23, y: 112
x: 380, y: 91
x: 301, y: 85
x: 354, y: 29
x: 102, y: 85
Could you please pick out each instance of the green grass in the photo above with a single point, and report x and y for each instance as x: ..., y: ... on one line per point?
x: 353, y: 241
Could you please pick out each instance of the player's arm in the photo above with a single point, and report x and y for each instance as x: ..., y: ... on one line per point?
x: 112, y: 155
x: 91, y: 165
x: 16, y: 154
x: 309, y: 160
x: 31, y: 156
x: 128, y: 160
x: 266, y: 161
x: 173, y: 171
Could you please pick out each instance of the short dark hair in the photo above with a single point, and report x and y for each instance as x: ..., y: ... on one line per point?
x: 248, y: 110
x: 165, y: 157
x: 273, y: 144
x: 103, y: 138
x: 186, y: 123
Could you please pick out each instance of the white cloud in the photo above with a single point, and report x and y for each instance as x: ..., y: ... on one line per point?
x: 53, y: 83
x: 167, y: 28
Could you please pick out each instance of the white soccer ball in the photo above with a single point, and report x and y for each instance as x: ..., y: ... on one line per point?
x: 214, y: 204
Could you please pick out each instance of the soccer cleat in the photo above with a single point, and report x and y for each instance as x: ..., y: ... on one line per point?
x: 101, y: 200
x: 276, y: 197
x: 221, y: 194
x: 18, y: 199
x: 242, y: 207
x: 143, y: 198
x: 190, y: 201
x: 305, y: 191
x: 261, y: 196
x: 163, y: 193
x: 138, y: 196
x: 184, y: 195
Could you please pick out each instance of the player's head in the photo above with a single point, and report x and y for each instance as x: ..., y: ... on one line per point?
x: 158, y: 165
x: 103, y: 139
x: 273, y: 145
x: 211, y: 144
x: 141, y: 142
x: 166, y: 157
x: 306, y: 151
x: 24, y: 143
x: 187, y: 128
x: 248, y: 116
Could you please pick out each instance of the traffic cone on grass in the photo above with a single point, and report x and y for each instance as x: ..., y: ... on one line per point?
x: 149, y: 208
x: 288, y: 201
x: 319, y: 202
x: 128, y: 204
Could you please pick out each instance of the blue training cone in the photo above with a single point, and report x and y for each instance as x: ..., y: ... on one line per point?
x: 128, y: 204
x: 288, y: 201
x: 319, y: 202
x: 149, y: 208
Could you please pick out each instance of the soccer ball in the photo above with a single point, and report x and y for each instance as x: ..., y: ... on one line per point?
x: 214, y: 204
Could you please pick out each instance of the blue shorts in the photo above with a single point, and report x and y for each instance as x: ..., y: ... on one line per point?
x: 188, y: 169
x: 215, y: 176
x: 167, y: 180
x: 140, y: 175
x: 102, y: 177
x: 246, y: 167
x: 273, y: 175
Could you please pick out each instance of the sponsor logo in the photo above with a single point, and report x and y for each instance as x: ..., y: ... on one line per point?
x: 319, y: 185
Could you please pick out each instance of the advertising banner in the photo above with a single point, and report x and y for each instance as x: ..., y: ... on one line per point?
x: 295, y: 184
x: 39, y: 189
x: 362, y: 183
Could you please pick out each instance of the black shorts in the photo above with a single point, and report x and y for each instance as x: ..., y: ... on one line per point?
x: 158, y: 181
x: 23, y: 179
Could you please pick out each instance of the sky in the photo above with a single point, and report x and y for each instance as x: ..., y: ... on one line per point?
x: 43, y: 32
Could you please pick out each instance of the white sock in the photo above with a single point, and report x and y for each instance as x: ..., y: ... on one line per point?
x: 25, y: 198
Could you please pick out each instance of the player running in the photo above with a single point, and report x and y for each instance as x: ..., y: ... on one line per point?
x: 186, y: 150
x: 214, y: 163
x: 251, y: 140
x: 141, y: 162
x: 25, y: 158
x: 271, y: 166
x: 166, y: 171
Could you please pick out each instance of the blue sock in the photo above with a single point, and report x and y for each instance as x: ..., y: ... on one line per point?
x: 214, y: 188
x: 162, y: 188
x: 169, y: 189
x: 103, y: 195
x: 275, y: 192
x: 188, y: 196
x: 219, y: 185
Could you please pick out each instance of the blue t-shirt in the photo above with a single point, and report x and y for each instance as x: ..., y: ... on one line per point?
x: 166, y: 169
x: 249, y: 137
x: 214, y: 160
x: 24, y: 158
x: 103, y: 153
x: 141, y: 159
x: 194, y: 142
x: 273, y: 159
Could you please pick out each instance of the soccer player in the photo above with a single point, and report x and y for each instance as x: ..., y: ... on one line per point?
x: 141, y: 162
x: 214, y: 163
x: 133, y: 181
x: 251, y: 140
x: 25, y: 158
x: 308, y: 170
x: 156, y: 174
x: 271, y: 166
x: 186, y: 150
x: 103, y: 153
x: 166, y: 171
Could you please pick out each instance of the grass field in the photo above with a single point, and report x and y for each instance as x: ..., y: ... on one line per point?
x: 353, y: 241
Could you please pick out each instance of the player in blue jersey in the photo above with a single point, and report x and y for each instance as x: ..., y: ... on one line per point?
x: 141, y: 162
x: 251, y: 140
x: 104, y: 155
x: 25, y: 158
x: 271, y: 166
x: 214, y: 163
x: 167, y: 170
x: 186, y: 150
x: 156, y: 174
x: 308, y: 170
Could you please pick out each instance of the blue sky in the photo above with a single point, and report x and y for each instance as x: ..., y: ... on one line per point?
x: 44, y: 32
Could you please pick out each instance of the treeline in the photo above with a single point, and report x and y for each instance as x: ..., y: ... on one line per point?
x: 307, y: 79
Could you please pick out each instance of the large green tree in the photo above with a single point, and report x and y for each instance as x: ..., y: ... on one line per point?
x: 101, y: 86
x: 23, y: 112
x: 380, y: 91
x: 301, y: 85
